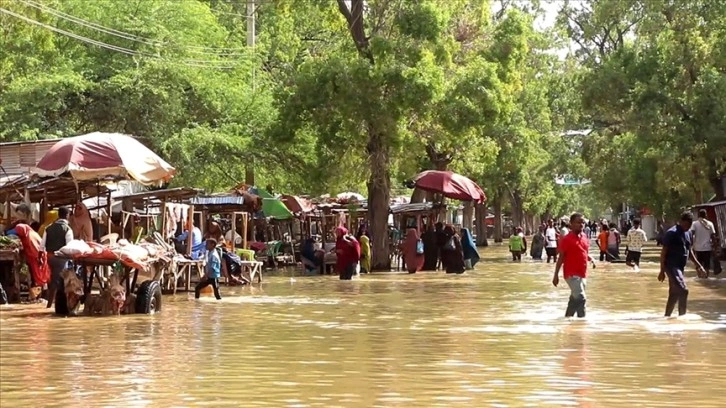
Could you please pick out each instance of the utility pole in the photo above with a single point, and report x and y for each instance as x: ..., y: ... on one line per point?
x: 250, y: 167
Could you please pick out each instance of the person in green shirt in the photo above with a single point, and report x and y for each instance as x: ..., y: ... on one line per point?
x: 517, y: 245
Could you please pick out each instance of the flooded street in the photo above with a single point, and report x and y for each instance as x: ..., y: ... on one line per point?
x: 492, y: 337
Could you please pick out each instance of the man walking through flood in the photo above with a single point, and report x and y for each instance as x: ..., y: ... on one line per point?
x: 634, y: 241
x: 551, y: 241
x: 574, y: 255
x: 677, y: 248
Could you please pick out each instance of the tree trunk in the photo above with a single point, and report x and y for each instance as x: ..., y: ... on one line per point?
x: 379, y: 197
x: 719, y: 185
x: 498, y: 219
x: 480, y: 225
x: 467, y: 220
x: 418, y: 195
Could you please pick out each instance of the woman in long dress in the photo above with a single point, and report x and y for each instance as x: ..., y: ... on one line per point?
x: 431, y: 250
x: 347, y: 249
x: 35, y: 258
x: 471, y: 255
x: 452, y: 253
x: 365, y: 254
x: 538, y: 243
x: 410, y: 248
x: 81, y: 223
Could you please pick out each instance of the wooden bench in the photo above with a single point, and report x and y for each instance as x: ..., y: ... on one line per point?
x: 185, y: 270
x: 255, y: 268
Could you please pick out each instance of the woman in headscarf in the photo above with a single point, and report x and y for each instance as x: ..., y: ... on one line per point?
x: 412, y: 248
x: 311, y: 258
x: 471, y: 255
x: 452, y: 253
x: 81, y: 223
x: 365, y: 254
x: 347, y: 249
x: 431, y: 250
x: 35, y: 258
x: 215, y: 232
x: 538, y: 243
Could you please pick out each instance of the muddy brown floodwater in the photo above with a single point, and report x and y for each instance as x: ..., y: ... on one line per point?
x: 492, y: 337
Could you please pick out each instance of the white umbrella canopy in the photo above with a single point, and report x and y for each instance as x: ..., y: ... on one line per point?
x: 104, y: 155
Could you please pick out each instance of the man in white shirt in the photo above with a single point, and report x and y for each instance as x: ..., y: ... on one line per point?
x: 551, y: 241
x: 634, y: 242
x: 703, y: 232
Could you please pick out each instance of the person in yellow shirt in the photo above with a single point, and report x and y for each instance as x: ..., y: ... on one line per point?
x: 517, y: 245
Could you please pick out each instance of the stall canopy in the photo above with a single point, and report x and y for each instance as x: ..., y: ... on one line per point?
x: 272, y: 207
x: 450, y: 185
x: 297, y: 205
x: 104, y: 156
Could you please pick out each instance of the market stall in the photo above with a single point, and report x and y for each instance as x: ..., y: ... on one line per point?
x: 234, y: 210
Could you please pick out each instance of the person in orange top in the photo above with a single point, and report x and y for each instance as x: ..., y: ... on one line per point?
x: 602, y: 242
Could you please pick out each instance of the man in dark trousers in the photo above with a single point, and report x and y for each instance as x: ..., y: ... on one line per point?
x: 55, y: 237
x: 677, y: 248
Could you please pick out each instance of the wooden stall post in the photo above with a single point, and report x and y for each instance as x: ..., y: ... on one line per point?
x: 109, y: 208
x: 162, y: 210
x: 190, y: 228
x: 234, y: 228
x: 245, y: 217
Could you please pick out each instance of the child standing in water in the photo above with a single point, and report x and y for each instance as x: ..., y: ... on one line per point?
x: 213, y: 270
x: 573, y: 250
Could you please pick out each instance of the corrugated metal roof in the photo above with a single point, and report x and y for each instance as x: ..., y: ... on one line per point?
x: 20, y: 157
x: 402, y: 208
x: 218, y: 200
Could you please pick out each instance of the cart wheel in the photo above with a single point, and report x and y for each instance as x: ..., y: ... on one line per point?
x: 60, y: 301
x: 148, y: 298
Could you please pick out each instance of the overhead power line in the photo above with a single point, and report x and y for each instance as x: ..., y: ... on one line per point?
x: 127, y: 51
x: 128, y: 36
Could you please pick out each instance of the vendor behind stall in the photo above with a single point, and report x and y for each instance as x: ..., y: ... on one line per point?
x: 55, y: 237
x: 197, y: 243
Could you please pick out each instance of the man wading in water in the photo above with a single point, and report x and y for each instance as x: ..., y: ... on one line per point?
x: 677, y: 243
x: 573, y: 250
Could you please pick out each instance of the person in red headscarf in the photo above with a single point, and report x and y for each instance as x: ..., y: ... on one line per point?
x: 413, y: 251
x: 347, y: 249
x: 35, y: 257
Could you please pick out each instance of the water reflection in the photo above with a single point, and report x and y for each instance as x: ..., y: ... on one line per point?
x: 493, y: 337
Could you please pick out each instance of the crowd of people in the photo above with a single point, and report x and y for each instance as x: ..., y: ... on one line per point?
x: 439, y: 247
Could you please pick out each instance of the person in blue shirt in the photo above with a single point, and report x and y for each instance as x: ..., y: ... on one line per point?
x: 677, y: 248
x: 197, y: 243
x: 212, y: 271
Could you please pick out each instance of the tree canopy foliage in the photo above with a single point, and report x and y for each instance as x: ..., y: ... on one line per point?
x: 362, y: 95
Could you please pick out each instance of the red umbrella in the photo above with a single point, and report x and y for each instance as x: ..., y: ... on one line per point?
x: 450, y: 185
x: 104, y: 155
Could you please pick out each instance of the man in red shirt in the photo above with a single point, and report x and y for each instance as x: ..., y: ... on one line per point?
x: 574, y: 255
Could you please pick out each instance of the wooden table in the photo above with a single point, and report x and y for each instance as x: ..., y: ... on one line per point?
x: 255, y: 268
x: 185, y: 269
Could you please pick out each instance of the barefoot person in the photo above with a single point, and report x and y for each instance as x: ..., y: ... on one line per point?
x: 677, y: 248
x: 212, y: 271
x: 573, y: 250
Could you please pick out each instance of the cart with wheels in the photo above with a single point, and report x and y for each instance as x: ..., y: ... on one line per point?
x: 147, y: 294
